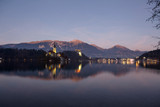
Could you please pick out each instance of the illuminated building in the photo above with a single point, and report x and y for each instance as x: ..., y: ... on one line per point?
x: 79, y: 52
x: 104, y: 60
x: 54, y: 48
x: 52, y: 52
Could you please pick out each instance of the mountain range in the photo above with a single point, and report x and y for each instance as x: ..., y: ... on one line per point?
x: 90, y: 50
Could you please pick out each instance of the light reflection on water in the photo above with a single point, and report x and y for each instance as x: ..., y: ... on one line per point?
x: 79, y: 85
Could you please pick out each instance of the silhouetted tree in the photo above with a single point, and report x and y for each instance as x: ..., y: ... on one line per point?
x: 155, y: 12
x: 21, y: 54
x: 155, y: 15
x: 158, y: 44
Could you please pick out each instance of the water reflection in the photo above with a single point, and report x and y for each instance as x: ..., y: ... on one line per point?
x: 147, y: 64
x: 78, y: 70
x: 80, y: 84
x: 74, y: 71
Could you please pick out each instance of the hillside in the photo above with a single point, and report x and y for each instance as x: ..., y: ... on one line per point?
x: 89, y: 50
x: 155, y: 54
x: 73, y: 56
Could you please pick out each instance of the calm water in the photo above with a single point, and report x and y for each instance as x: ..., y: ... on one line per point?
x: 79, y: 85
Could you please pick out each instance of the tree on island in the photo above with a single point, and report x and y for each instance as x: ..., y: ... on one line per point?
x: 155, y: 15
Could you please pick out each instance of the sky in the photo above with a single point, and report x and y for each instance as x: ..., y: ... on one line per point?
x: 102, y: 22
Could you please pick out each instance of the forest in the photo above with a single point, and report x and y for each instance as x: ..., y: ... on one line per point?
x: 8, y: 54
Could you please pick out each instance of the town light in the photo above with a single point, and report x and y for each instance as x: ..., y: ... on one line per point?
x: 80, y: 54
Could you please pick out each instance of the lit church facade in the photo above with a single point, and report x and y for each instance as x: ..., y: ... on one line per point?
x: 53, y: 52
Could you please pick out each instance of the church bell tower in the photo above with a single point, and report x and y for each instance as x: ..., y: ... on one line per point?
x: 54, y: 48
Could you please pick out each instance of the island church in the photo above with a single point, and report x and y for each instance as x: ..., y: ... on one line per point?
x: 52, y: 52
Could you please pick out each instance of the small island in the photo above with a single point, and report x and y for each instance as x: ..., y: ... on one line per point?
x: 11, y: 54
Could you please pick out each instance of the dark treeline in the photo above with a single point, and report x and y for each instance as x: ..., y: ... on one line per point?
x: 151, y: 54
x: 10, y: 54
x: 21, y: 54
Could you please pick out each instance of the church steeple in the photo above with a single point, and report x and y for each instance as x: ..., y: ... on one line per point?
x: 54, y: 48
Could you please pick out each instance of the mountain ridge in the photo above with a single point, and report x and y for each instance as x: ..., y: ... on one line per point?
x: 119, y: 46
x: 91, y: 50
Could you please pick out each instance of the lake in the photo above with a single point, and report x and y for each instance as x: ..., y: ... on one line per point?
x: 79, y: 85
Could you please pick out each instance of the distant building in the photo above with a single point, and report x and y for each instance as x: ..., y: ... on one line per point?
x: 79, y: 52
x: 52, y: 52
x: 54, y: 48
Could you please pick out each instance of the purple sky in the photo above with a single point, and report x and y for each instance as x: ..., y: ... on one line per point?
x: 101, y: 22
